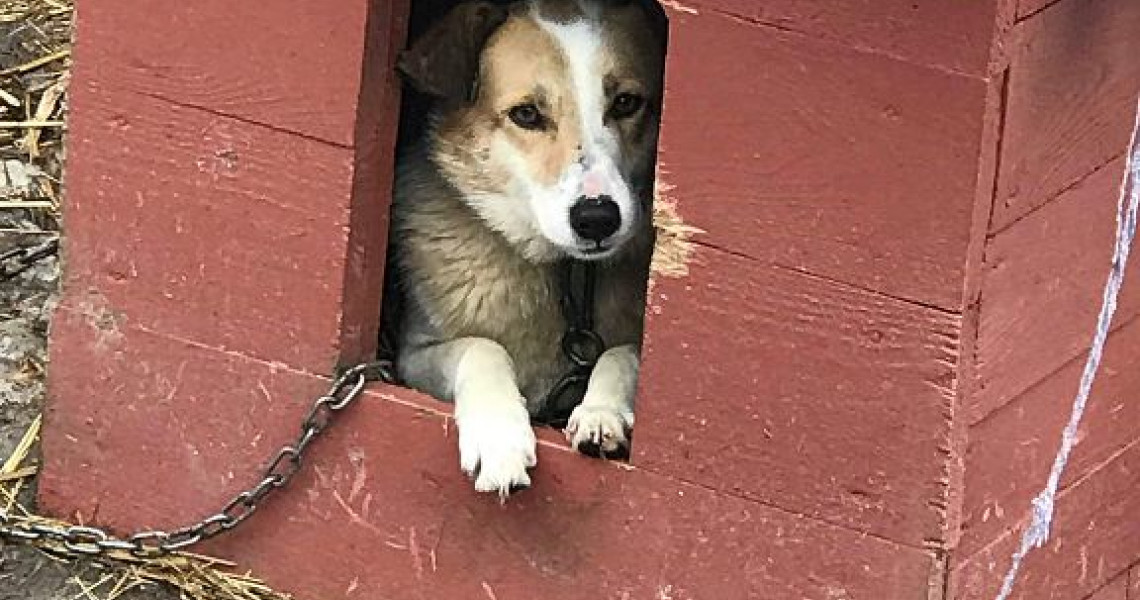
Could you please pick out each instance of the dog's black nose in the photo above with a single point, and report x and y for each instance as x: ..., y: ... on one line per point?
x: 595, y: 219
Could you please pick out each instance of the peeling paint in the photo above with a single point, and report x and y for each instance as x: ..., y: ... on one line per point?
x: 98, y: 314
x: 674, y: 249
x: 677, y: 6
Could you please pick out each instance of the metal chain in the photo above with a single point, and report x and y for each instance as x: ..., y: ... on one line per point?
x: 580, y: 344
x: 90, y: 541
x: 16, y: 261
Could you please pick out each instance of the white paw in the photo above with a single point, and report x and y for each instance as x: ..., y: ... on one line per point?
x: 599, y: 431
x: 497, y: 446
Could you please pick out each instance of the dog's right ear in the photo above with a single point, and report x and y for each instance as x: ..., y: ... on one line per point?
x: 444, y: 62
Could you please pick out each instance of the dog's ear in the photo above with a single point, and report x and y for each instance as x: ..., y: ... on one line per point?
x: 444, y: 62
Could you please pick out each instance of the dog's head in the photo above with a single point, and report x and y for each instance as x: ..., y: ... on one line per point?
x: 547, y: 120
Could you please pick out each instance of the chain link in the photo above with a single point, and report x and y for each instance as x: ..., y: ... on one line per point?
x: 580, y: 344
x: 17, y: 260
x: 88, y: 541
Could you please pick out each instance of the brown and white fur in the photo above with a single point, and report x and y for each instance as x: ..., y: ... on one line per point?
x: 482, y: 217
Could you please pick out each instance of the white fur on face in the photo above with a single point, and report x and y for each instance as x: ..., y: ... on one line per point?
x: 597, y: 170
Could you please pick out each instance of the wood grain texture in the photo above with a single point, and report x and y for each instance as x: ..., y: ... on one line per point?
x: 846, y: 165
x: 1116, y: 590
x: 1026, y: 8
x: 1095, y: 536
x: 295, y: 67
x: 147, y: 430
x: 164, y: 429
x: 208, y: 228
x: 1042, y: 289
x: 812, y: 396
x: 971, y: 316
x: 1011, y: 452
x: 374, y: 154
x: 951, y: 36
x: 1073, y: 84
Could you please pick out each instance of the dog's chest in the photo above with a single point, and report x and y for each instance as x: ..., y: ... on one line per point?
x: 497, y: 296
x: 468, y: 281
x: 489, y: 291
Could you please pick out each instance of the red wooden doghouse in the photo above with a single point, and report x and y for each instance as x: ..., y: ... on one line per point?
x: 907, y: 210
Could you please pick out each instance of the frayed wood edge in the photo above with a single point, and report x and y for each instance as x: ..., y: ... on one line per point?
x: 674, y: 247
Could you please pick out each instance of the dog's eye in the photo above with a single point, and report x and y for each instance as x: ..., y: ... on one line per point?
x: 527, y: 116
x: 626, y: 105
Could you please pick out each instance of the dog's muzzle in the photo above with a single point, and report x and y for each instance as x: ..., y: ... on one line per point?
x: 595, y: 219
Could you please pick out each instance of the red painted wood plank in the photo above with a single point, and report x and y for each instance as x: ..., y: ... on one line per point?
x: 1117, y: 590
x: 137, y: 417
x: 1096, y: 536
x: 1073, y: 84
x: 815, y: 397
x: 850, y: 166
x: 375, y: 141
x: 296, y: 67
x: 1011, y: 453
x: 1026, y: 8
x: 216, y: 230
x: 1042, y: 288
x: 1134, y: 583
x: 953, y: 36
x: 165, y: 430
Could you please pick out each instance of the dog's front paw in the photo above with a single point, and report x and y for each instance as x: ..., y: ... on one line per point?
x: 496, y: 447
x: 599, y: 431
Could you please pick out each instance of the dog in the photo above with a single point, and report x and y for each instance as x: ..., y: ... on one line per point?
x: 540, y: 148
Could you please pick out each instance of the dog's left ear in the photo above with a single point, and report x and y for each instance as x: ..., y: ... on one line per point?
x: 444, y: 62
